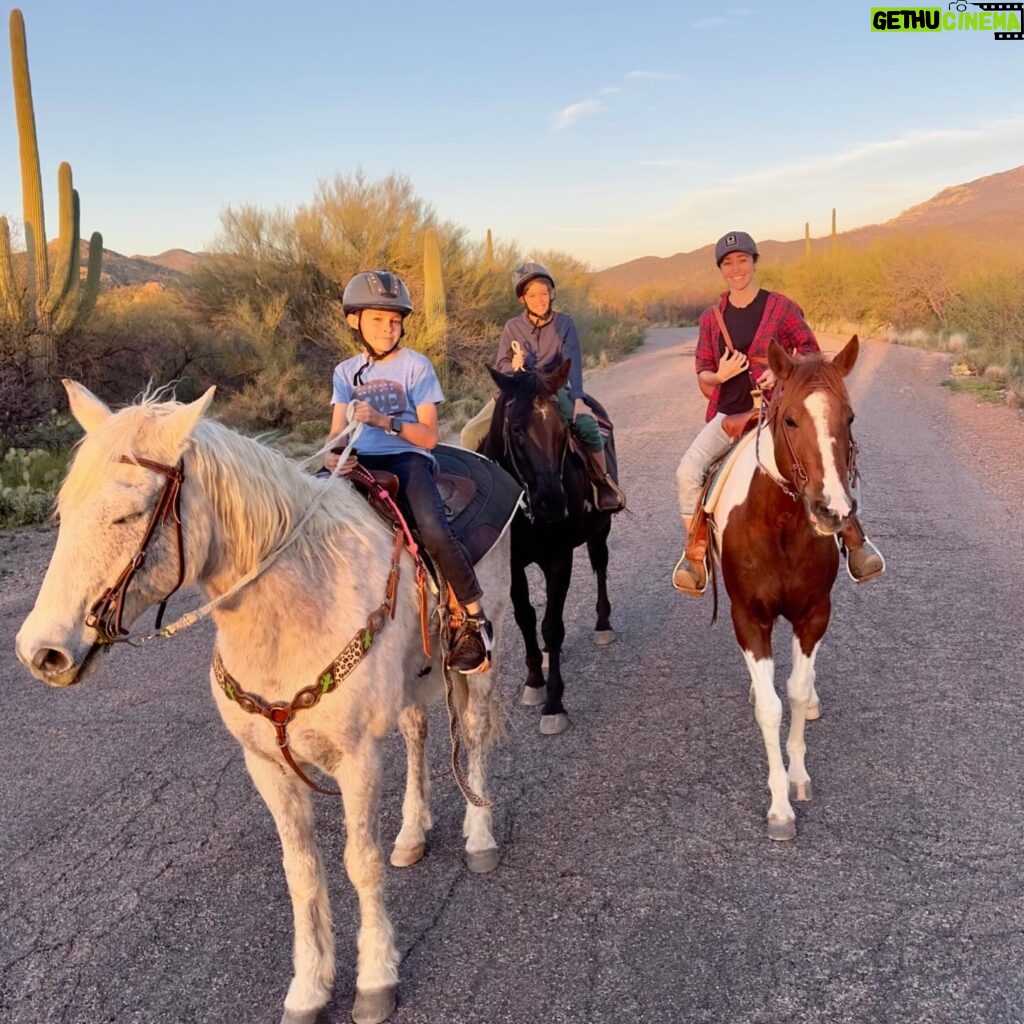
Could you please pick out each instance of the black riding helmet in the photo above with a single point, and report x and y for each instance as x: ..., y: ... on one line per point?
x: 527, y: 272
x: 377, y: 289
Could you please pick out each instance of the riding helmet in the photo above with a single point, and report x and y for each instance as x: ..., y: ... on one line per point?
x: 377, y: 289
x: 527, y: 272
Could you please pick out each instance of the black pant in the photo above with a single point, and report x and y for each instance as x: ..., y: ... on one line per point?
x: 420, y: 502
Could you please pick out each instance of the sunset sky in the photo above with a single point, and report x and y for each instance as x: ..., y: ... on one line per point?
x: 609, y: 131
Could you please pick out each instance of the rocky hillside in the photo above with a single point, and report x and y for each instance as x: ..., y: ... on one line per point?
x: 989, y: 209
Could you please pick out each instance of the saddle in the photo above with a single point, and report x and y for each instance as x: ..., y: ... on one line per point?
x: 479, y: 497
x: 604, y: 425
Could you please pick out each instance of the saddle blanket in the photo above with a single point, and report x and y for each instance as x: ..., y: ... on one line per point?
x: 480, y: 498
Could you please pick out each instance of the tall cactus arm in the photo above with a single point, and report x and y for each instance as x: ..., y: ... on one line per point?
x: 31, y: 180
x: 10, y: 295
x: 65, y: 267
x: 81, y: 296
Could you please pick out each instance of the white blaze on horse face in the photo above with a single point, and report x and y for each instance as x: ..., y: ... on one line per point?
x: 835, y: 493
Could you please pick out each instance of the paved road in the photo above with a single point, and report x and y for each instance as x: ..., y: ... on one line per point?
x: 141, y: 875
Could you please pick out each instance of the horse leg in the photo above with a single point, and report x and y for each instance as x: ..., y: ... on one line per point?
x: 481, y: 724
x: 557, y: 576
x: 313, y: 953
x: 807, y: 634
x: 411, y: 842
x: 597, y: 549
x: 756, y: 643
x: 377, y: 962
x: 526, y: 619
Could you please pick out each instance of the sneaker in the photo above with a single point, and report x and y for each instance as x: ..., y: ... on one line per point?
x: 690, y: 578
x: 863, y: 563
x: 471, y: 645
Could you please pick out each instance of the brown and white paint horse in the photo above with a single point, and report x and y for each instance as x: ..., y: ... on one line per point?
x: 775, y: 522
x: 234, y: 501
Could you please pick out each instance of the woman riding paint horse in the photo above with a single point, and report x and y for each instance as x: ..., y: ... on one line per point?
x: 734, y: 334
x: 540, y: 338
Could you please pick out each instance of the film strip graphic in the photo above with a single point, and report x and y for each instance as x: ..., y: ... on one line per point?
x: 1018, y: 7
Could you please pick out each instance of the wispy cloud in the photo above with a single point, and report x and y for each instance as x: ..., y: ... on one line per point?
x: 709, y: 23
x: 656, y: 76
x: 669, y: 162
x: 569, y: 115
x: 609, y: 90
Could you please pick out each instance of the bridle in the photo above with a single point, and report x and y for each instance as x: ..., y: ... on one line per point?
x: 517, y: 472
x: 773, y: 416
x: 107, y: 612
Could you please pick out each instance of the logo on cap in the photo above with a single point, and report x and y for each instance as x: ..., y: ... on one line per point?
x: 730, y: 239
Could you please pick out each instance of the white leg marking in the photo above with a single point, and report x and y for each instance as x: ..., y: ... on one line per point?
x: 800, y: 689
x: 768, y: 714
x: 416, y: 805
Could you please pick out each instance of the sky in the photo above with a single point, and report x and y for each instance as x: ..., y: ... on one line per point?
x: 605, y: 130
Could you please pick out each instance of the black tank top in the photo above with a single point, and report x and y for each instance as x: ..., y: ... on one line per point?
x: 742, y: 324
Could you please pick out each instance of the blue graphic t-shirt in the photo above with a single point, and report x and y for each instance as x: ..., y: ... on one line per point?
x: 394, y: 387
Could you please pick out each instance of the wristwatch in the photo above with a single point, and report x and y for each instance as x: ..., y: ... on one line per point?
x: 394, y: 426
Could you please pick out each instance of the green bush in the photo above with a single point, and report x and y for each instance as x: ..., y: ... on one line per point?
x: 29, y: 480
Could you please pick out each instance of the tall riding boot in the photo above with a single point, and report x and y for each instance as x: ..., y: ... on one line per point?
x: 608, y: 496
x: 691, y: 572
x: 862, y: 558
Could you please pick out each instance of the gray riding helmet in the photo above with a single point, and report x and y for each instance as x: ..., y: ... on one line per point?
x: 734, y: 241
x: 377, y: 289
x: 528, y: 272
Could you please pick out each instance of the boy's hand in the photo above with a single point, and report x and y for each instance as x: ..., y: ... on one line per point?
x: 518, y: 355
x: 363, y: 412
x: 332, y: 460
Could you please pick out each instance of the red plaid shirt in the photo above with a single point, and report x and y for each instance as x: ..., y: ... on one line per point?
x: 783, y: 320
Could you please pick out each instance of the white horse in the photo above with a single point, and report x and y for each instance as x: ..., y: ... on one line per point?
x: 238, y: 500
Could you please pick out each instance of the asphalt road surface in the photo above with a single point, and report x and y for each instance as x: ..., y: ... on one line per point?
x: 141, y: 875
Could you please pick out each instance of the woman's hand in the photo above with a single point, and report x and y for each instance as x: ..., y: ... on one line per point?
x: 731, y: 364
x: 766, y: 381
x: 518, y: 355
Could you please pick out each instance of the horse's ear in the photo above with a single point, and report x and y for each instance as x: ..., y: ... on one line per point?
x: 503, y: 380
x: 180, y: 424
x: 87, y: 409
x: 847, y: 356
x: 780, y: 361
x: 560, y: 376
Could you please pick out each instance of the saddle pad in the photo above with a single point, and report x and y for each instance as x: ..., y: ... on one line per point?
x: 481, y: 521
x: 714, y: 491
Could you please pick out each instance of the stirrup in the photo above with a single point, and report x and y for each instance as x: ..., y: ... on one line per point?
x: 844, y: 554
x: 480, y: 625
x: 691, y: 591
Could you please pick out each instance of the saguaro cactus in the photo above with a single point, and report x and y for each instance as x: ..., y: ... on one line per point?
x: 434, y: 303
x: 52, y: 299
x: 489, y: 250
x: 807, y: 238
x: 833, y: 230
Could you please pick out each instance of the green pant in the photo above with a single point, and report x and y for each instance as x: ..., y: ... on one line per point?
x: 585, y: 425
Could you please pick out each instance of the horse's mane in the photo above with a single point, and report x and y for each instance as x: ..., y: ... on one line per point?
x: 257, y: 494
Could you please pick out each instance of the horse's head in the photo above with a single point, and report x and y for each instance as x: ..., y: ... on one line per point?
x: 122, y: 545
x: 530, y: 437
x: 811, y: 418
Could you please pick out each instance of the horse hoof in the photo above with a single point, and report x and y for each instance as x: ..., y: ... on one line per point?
x: 813, y: 712
x: 482, y: 861
x: 375, y: 1005
x: 534, y: 695
x: 552, y: 725
x: 800, y: 791
x: 781, y: 831
x: 300, y: 1017
x: 406, y: 856
x: 603, y: 637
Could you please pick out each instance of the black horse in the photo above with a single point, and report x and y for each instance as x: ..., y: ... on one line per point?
x: 530, y: 438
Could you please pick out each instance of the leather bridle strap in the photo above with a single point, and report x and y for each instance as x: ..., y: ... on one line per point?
x: 107, y: 612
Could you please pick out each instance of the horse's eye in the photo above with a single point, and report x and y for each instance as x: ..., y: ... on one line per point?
x: 130, y: 518
x: 790, y: 422
x: 849, y: 422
